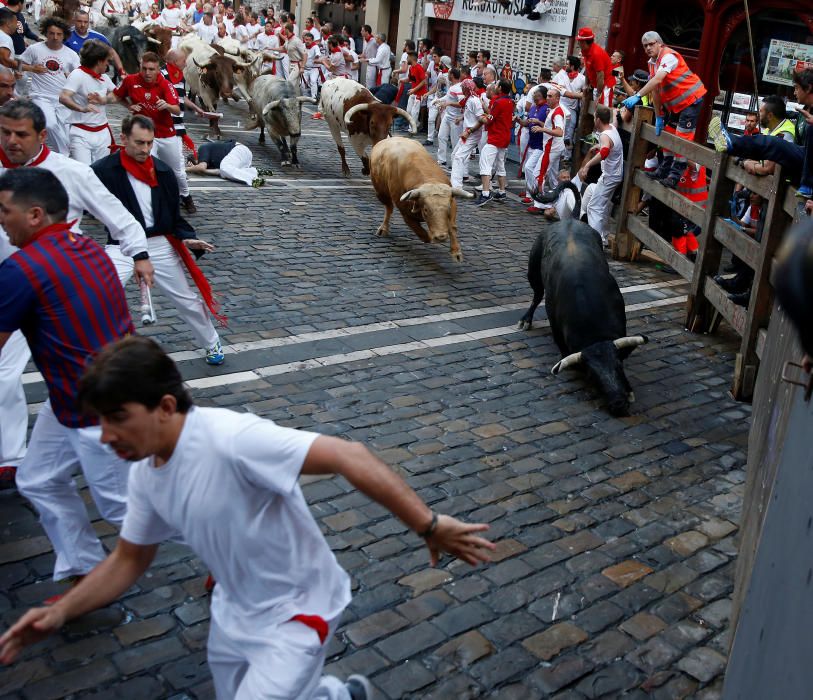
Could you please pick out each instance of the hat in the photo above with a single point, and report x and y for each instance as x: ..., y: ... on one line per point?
x: 585, y: 34
x: 641, y: 76
x: 446, y: 61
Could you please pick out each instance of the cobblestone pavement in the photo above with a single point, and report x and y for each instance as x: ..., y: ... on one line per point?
x: 616, y: 537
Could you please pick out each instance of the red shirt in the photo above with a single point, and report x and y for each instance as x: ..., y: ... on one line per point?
x: 596, y: 60
x: 416, y: 75
x: 499, y: 128
x: 139, y: 93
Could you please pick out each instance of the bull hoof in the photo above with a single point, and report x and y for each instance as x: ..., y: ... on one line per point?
x: 261, y: 142
x: 365, y: 171
x: 381, y: 231
x: 457, y: 257
x: 285, y: 162
x: 524, y: 325
x: 346, y: 172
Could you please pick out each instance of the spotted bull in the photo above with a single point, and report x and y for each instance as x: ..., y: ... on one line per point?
x: 404, y: 175
x: 277, y: 106
x: 585, y: 307
x: 351, y: 108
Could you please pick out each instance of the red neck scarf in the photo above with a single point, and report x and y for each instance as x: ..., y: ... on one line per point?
x: 311, y: 45
x: 155, y: 15
x: 41, y: 156
x: 572, y: 74
x: 58, y: 227
x: 175, y: 73
x: 90, y: 72
x: 336, y: 50
x: 143, y: 172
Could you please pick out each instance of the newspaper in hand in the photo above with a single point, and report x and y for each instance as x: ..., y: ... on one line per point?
x: 147, y: 312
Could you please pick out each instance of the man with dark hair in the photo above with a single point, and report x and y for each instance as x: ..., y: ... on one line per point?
x: 229, y: 160
x: 82, y: 32
x: 368, y: 52
x: 23, y: 30
x: 51, y: 63
x: 85, y: 94
x: 61, y: 290
x: 227, y: 484
x: 417, y: 80
x: 148, y: 189
x: 796, y: 157
x: 150, y: 94
x: 498, y: 133
x: 751, y: 124
x: 8, y: 26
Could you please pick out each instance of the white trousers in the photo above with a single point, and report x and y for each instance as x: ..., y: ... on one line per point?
x: 45, y: 478
x: 89, y: 146
x: 170, y: 150
x: 522, y: 143
x: 492, y: 160
x: 414, y: 106
x: 550, y: 178
x: 170, y: 277
x: 13, y: 408
x: 448, y: 132
x: 460, y: 160
x: 56, y: 122
x: 311, y: 77
x: 530, y: 169
x: 237, y: 165
x: 285, y: 663
x: 386, y: 74
x: 370, y: 76
x: 598, y: 206
x: 432, y: 118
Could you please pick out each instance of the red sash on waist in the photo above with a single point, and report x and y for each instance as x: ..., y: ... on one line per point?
x: 315, y: 622
x: 86, y: 127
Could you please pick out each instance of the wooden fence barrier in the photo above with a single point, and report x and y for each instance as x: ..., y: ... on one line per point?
x: 708, y: 303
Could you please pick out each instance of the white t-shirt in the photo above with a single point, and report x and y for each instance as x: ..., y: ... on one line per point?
x: 555, y: 120
x: 6, y: 43
x: 81, y: 84
x: 143, y: 195
x: 472, y: 112
x: 575, y: 84
x: 231, y: 491
x: 452, y: 102
x: 59, y: 63
x: 207, y: 32
x: 170, y: 17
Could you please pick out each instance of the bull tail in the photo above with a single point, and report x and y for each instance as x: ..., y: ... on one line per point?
x: 551, y: 196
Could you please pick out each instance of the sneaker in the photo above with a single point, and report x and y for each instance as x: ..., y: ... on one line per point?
x: 72, y: 581
x: 7, y: 476
x: 719, y: 135
x: 428, y: 143
x: 535, y: 210
x: 188, y: 204
x: 483, y: 199
x: 670, y: 181
x: 317, y: 115
x: 214, y: 354
x: 264, y: 172
x: 257, y: 182
x: 359, y: 687
x: 804, y: 192
x: 500, y: 195
x: 527, y: 200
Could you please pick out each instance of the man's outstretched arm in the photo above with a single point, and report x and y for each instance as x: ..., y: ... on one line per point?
x: 367, y: 473
x: 101, y: 586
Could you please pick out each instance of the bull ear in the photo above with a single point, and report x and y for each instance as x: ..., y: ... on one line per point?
x: 410, y: 194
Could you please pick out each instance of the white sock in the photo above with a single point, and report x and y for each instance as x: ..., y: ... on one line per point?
x: 486, y: 193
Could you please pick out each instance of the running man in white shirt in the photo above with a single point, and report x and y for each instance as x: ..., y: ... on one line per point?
x: 227, y: 484
x: 610, y: 153
x: 206, y: 28
x: 546, y: 169
x: 52, y: 62
x: 473, y: 120
x: 451, y: 121
x: 85, y: 94
x: 311, y: 74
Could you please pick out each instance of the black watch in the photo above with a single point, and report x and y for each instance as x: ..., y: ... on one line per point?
x: 141, y: 256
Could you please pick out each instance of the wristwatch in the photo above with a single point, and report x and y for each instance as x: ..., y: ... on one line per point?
x: 141, y: 256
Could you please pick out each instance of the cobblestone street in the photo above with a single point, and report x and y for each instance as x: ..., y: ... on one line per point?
x: 616, y: 538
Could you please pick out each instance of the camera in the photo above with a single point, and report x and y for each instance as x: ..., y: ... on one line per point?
x: 616, y: 72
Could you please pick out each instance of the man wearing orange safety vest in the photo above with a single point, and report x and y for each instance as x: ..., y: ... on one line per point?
x: 678, y: 98
x: 693, y: 185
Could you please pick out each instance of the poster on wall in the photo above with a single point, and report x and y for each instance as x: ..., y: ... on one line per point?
x: 556, y: 16
x: 785, y: 57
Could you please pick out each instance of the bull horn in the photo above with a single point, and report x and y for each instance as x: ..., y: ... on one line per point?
x: 406, y: 115
x: 566, y: 362
x: 353, y: 111
x: 153, y: 40
x: 410, y: 194
x: 460, y: 192
x: 302, y: 98
x: 240, y: 64
x: 630, y: 341
x: 126, y: 38
x: 197, y: 64
x: 271, y: 105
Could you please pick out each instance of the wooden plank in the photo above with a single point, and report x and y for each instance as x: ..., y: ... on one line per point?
x: 738, y: 242
x: 755, y: 183
x: 736, y: 316
x: 759, y: 310
x: 623, y: 248
x: 693, y: 151
x: 676, y: 202
x: 790, y: 204
x: 662, y: 248
x: 762, y: 338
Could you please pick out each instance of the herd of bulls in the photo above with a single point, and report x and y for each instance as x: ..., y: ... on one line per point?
x: 584, y: 305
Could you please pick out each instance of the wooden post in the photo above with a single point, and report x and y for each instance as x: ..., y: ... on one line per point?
x: 699, y: 313
x: 761, y: 301
x: 625, y: 243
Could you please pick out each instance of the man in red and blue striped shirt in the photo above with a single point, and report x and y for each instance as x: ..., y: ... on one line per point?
x: 62, y: 291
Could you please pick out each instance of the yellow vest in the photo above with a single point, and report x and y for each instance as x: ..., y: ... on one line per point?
x: 785, y: 126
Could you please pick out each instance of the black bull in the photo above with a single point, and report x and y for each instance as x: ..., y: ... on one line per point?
x: 585, y: 307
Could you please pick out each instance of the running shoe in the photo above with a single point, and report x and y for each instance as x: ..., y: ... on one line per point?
x: 500, y: 195
x: 257, y: 182
x: 428, y: 143
x: 483, y: 199
x: 359, y: 687
x: 719, y: 135
x: 214, y: 354
x: 804, y: 192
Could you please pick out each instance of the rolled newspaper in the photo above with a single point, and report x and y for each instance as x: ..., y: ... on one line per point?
x: 147, y: 312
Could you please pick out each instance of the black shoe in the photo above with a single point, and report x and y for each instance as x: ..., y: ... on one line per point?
x: 500, y: 195
x: 188, y: 204
x: 663, y: 169
x: 483, y: 199
x: 428, y: 143
x: 741, y: 298
x: 692, y: 255
x: 670, y: 182
x: 734, y: 285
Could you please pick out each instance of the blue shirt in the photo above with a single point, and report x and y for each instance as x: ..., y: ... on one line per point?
x: 540, y: 113
x: 76, y: 42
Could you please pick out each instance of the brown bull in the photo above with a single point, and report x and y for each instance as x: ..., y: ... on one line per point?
x: 159, y: 39
x: 404, y: 175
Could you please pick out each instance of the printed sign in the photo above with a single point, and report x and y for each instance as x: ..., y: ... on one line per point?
x: 557, y: 16
x: 785, y: 57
